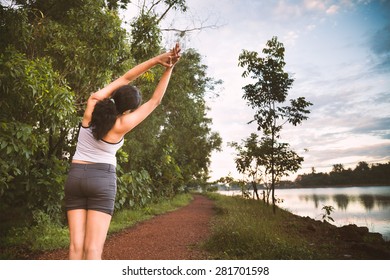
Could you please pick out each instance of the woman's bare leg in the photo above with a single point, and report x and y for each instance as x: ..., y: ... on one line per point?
x: 95, y: 234
x: 77, y: 225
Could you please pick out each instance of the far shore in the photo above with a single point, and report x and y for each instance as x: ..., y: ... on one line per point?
x: 260, y: 188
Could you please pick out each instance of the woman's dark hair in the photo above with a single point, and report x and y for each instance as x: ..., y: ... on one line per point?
x: 106, y: 111
x: 126, y: 98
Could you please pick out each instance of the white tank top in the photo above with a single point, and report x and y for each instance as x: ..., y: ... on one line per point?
x: 97, y: 151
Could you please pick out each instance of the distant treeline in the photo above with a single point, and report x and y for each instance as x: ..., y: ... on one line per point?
x: 362, y: 174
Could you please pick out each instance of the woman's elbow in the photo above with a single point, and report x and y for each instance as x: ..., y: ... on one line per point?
x: 156, y: 102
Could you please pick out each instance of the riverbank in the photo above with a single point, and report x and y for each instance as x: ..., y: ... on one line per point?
x: 293, y: 186
x: 248, y: 229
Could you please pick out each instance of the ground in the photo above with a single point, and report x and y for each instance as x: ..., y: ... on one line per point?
x: 171, y: 236
x: 178, y: 235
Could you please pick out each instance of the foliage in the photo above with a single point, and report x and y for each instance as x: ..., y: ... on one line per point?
x: 37, y: 114
x: 134, y: 190
x: 362, y: 174
x: 115, y: 4
x: 254, y: 158
x: 328, y: 209
x: 146, y: 37
x: 49, y: 52
x: 40, y: 235
x: 187, y: 125
x: 268, y: 95
x: 249, y: 160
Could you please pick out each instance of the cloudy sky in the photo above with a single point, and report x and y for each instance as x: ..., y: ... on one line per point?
x: 339, y: 54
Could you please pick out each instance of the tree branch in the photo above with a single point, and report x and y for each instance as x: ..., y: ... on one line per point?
x: 164, y: 13
x: 153, y: 5
x: 183, y: 31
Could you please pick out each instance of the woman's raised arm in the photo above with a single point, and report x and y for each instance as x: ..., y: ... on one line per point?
x: 133, y: 74
x: 128, y: 121
x: 166, y: 59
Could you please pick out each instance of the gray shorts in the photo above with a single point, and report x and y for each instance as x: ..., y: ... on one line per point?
x: 91, y: 187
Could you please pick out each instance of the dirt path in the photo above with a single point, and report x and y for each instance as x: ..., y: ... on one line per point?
x: 171, y: 236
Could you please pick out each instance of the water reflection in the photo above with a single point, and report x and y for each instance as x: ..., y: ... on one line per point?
x: 342, y: 201
x: 363, y: 206
x: 368, y: 201
x: 382, y: 201
x: 318, y: 200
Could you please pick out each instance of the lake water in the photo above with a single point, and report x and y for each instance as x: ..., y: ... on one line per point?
x: 363, y: 206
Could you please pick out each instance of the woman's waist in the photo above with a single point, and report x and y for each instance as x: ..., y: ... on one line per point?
x: 79, y: 164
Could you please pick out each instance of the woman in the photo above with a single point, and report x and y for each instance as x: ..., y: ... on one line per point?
x: 91, y: 184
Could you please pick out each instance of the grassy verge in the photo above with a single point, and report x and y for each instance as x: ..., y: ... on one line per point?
x: 44, y: 235
x: 249, y: 230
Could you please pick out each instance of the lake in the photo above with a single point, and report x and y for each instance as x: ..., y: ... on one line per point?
x: 363, y: 206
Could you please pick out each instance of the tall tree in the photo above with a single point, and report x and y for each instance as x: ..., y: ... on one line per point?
x: 176, y: 141
x: 267, y: 95
x: 187, y: 123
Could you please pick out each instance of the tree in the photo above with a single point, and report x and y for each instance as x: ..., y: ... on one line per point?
x: 52, y: 58
x: 249, y: 159
x: 338, y: 168
x: 255, y: 157
x: 268, y: 96
x: 36, y: 122
x: 362, y: 174
x: 187, y: 124
x: 175, y: 142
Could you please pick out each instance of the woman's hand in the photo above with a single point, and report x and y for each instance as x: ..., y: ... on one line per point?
x: 176, y: 54
x: 169, y: 59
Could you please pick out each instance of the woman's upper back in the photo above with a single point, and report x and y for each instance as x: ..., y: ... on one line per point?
x: 89, y: 149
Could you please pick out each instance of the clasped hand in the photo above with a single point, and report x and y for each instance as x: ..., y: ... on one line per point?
x: 169, y: 59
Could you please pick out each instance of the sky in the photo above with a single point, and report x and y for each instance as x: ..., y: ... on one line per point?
x: 338, y: 52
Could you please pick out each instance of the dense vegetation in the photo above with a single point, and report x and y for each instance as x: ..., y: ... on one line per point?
x: 362, y: 174
x: 53, y: 54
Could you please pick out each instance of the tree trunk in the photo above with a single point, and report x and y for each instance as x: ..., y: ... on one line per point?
x: 255, y: 190
x: 273, y: 174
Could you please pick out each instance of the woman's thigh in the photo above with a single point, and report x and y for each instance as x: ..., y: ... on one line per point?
x: 96, y: 229
x: 77, y: 220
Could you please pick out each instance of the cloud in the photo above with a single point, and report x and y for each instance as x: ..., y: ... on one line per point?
x: 332, y: 10
x: 380, y: 46
x: 287, y: 11
x: 290, y: 38
x: 315, y: 5
x: 375, y: 126
x: 321, y: 6
x: 311, y: 27
x: 328, y: 156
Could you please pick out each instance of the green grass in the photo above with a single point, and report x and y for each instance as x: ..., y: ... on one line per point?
x: 248, y: 229
x: 44, y: 235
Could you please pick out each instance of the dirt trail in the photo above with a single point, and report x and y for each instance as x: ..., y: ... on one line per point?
x: 171, y: 236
